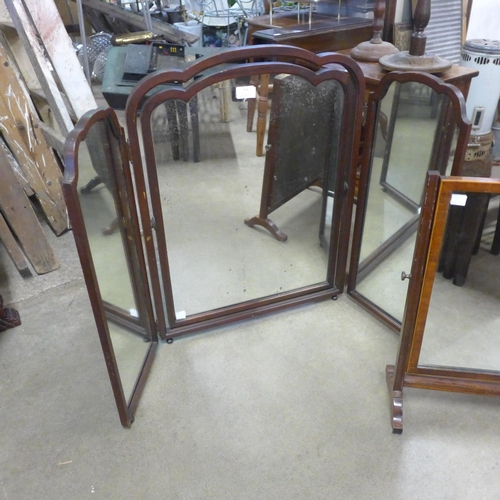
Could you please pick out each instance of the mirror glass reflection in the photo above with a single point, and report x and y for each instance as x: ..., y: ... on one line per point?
x: 246, y: 217
x: 406, y: 138
x: 98, y: 200
x: 463, y: 321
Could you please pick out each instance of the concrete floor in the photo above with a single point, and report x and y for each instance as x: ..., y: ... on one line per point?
x: 291, y: 406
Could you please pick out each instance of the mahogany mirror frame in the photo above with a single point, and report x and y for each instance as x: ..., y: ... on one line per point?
x: 406, y: 372
x: 157, y: 88
x: 454, y: 113
x: 129, y: 223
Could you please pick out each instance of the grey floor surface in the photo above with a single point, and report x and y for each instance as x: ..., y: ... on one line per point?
x: 290, y: 406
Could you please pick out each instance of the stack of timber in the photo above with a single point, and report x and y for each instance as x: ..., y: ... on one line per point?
x: 37, y: 61
x: 28, y: 168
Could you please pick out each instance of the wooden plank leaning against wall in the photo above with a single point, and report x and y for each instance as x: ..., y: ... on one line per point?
x: 29, y: 166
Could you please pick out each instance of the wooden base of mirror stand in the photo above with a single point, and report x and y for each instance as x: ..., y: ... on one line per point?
x: 396, y: 403
x: 267, y: 224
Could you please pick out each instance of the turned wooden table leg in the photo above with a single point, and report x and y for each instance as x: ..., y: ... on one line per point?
x: 262, y: 107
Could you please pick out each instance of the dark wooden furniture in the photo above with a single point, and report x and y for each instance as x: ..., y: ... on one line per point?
x: 323, y: 34
x: 457, y: 76
x: 409, y: 370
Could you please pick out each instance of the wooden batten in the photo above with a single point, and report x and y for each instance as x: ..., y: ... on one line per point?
x: 50, y: 27
x: 18, y: 211
x: 19, y: 126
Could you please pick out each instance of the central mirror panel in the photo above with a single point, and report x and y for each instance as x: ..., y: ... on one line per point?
x: 415, y: 131
x: 245, y: 175
x: 240, y: 226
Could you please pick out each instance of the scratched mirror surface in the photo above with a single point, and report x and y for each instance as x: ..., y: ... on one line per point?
x: 463, y: 321
x: 406, y: 139
x: 247, y: 200
x: 98, y: 196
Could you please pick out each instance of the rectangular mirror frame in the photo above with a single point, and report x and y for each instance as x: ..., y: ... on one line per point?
x: 407, y: 372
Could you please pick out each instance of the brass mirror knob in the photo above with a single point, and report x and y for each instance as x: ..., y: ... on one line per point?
x: 405, y: 276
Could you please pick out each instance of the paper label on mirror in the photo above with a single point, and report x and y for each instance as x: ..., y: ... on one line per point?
x: 458, y: 199
x: 180, y: 315
x: 246, y: 92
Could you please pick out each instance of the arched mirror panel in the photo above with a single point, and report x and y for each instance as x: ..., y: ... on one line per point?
x: 418, y: 124
x: 98, y: 190
x: 238, y: 228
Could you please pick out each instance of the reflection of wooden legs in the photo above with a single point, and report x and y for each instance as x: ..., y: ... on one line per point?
x: 225, y: 100
x: 262, y: 107
x: 94, y: 182
x: 267, y: 224
x: 112, y: 228
x: 173, y: 127
x: 396, y: 401
x: 261, y: 104
x: 252, y: 104
x: 193, y: 111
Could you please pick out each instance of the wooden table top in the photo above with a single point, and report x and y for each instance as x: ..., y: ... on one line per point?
x: 374, y: 73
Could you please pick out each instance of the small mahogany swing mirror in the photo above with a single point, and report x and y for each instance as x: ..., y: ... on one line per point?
x: 450, y: 338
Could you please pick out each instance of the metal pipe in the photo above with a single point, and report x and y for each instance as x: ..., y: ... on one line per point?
x: 81, y: 22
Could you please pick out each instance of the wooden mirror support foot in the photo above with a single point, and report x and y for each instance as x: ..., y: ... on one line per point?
x: 267, y: 224
x: 396, y: 401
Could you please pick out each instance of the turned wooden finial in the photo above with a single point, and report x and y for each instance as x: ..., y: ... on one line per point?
x: 416, y: 59
x: 376, y: 47
x: 421, y: 18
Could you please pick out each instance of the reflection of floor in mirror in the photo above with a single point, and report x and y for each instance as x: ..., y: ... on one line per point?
x: 383, y: 285
x: 410, y: 156
x: 130, y: 351
x: 99, y: 211
x: 384, y: 214
x: 216, y: 260
x: 464, y: 322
